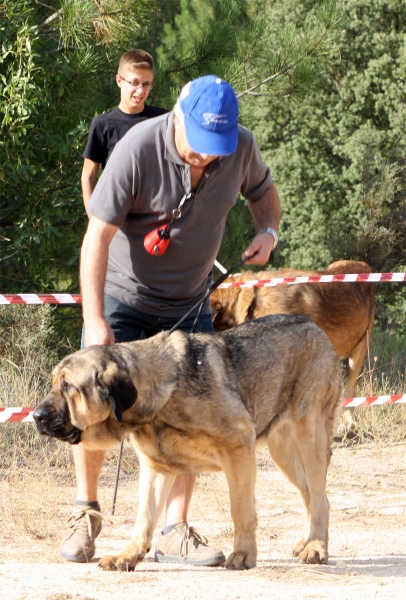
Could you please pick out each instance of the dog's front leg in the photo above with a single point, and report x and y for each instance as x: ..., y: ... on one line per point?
x: 241, y: 473
x: 154, y: 487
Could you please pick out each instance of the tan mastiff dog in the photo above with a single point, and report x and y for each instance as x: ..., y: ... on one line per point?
x: 345, y: 311
x: 201, y: 402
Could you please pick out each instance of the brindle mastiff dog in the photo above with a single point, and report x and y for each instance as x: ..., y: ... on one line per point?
x: 201, y: 402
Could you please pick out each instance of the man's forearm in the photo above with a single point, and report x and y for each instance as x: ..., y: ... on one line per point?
x: 87, y: 190
x: 93, y: 268
x: 266, y: 212
x: 89, y: 179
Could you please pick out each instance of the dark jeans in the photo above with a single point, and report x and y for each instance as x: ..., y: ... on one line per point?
x: 129, y: 324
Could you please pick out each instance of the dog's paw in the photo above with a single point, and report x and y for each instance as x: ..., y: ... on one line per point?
x: 314, y: 552
x: 115, y: 563
x: 240, y: 560
x: 298, y: 548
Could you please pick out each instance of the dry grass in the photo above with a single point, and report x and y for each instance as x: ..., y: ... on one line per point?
x: 27, y: 353
x: 37, y: 483
x: 383, y: 374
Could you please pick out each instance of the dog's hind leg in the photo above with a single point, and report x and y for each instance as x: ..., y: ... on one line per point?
x: 354, y: 365
x: 154, y: 488
x: 286, y: 456
x: 314, y: 448
x: 302, y: 452
x: 240, y: 470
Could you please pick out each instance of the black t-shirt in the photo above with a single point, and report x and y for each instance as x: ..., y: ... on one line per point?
x: 107, y: 129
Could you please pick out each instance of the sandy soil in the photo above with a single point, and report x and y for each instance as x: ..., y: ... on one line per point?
x: 366, y: 488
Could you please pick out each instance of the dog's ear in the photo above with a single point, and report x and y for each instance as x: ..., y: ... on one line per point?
x: 216, y: 307
x: 119, y: 391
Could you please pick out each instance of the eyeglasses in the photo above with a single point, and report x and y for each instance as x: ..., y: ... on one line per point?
x: 146, y: 85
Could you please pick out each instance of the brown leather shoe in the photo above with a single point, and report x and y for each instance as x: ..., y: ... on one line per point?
x: 84, y: 525
x: 184, y: 544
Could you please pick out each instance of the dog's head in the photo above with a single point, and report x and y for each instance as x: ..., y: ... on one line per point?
x: 221, y: 314
x: 232, y: 306
x: 88, y: 387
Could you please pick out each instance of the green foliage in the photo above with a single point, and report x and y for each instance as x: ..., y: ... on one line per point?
x: 324, y: 150
x: 53, y: 79
x: 259, y: 56
x: 293, y: 56
x: 84, y: 23
x: 380, y: 237
x: 234, y: 40
x: 58, y: 61
x: 213, y: 36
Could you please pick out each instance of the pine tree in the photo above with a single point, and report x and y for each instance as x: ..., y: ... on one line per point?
x: 59, y: 60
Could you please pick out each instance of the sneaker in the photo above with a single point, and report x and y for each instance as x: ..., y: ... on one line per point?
x: 84, y: 525
x: 184, y: 544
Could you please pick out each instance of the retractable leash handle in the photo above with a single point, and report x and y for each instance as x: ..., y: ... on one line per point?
x: 157, y: 241
x: 201, y: 302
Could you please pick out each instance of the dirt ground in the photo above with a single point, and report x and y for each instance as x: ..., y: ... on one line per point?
x: 366, y: 488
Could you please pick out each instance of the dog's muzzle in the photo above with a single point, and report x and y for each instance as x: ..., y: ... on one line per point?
x: 55, y: 423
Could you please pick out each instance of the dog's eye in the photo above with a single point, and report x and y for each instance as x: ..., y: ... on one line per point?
x: 66, y: 386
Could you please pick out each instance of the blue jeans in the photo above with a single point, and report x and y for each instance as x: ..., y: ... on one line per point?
x: 129, y: 324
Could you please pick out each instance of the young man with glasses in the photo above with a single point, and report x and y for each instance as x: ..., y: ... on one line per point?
x: 200, y: 154
x: 135, y: 79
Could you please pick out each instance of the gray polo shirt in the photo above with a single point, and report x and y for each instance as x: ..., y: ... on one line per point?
x: 144, y: 180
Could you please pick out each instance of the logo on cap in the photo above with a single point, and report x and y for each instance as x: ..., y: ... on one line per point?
x: 213, y: 118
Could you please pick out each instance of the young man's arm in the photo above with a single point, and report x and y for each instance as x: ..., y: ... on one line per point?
x: 266, y: 212
x: 93, y: 268
x: 89, y: 179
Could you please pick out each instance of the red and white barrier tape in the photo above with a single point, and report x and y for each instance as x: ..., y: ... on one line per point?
x: 14, y: 414
x: 40, y: 298
x: 339, y: 278
x: 374, y: 400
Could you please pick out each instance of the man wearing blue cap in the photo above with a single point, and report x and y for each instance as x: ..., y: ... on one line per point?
x: 190, y: 163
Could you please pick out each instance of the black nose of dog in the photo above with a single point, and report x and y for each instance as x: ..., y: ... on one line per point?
x: 42, y: 414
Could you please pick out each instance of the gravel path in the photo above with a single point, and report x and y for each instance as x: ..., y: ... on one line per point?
x: 366, y: 487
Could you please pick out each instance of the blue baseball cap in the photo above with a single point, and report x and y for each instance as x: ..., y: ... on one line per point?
x: 210, y: 109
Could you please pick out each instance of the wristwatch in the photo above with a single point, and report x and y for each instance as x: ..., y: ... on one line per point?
x: 273, y: 234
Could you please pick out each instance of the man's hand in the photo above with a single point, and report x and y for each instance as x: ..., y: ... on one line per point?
x: 266, y: 213
x: 98, y: 332
x: 258, y: 252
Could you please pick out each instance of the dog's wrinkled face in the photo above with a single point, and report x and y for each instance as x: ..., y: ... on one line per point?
x: 88, y: 387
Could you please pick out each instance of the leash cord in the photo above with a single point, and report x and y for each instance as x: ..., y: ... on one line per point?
x: 201, y: 302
